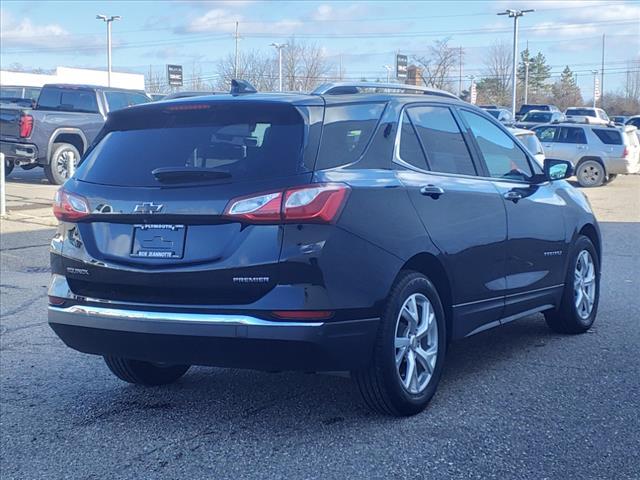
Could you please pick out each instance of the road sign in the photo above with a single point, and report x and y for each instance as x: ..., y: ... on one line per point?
x: 174, y: 75
x: 401, y: 67
x: 473, y: 94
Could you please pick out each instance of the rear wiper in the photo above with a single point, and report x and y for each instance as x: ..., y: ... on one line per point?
x: 187, y: 174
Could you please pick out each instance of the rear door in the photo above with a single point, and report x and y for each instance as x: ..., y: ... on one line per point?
x: 462, y: 213
x: 570, y: 144
x: 547, y: 136
x: 158, y: 183
x: 536, y: 248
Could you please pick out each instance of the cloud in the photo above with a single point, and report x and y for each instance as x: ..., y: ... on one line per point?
x: 219, y: 20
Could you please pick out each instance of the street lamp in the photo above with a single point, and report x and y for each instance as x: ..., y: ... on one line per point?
x: 526, y: 81
x: 279, y: 47
x: 515, y: 14
x: 109, y: 21
x: 595, y: 87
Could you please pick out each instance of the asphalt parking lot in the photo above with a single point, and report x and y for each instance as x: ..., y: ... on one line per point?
x: 516, y: 402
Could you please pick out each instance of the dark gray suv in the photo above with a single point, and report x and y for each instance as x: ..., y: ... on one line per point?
x: 350, y: 229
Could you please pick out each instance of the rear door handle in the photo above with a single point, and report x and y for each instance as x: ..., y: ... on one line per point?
x: 431, y: 191
x: 513, y: 196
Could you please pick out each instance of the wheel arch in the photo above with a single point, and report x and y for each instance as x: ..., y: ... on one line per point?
x: 432, y: 268
x: 73, y: 136
x: 595, y: 158
x: 589, y: 231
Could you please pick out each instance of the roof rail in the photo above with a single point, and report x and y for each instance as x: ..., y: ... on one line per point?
x: 342, y: 88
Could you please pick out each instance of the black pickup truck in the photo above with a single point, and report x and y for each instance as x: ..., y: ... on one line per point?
x: 60, y: 127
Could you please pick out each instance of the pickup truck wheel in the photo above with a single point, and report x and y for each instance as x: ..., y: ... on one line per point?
x: 144, y: 373
x: 590, y: 173
x: 8, y: 167
x: 57, y: 169
x: 409, y: 353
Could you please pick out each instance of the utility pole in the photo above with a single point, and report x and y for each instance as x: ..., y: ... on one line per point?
x: 279, y: 47
x: 109, y: 21
x: 460, y: 80
x: 235, y: 63
x: 595, y: 86
x: 602, y: 76
x: 389, y: 69
x: 526, y: 81
x: 515, y: 14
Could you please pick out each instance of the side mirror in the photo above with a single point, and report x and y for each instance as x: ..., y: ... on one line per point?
x: 557, y: 169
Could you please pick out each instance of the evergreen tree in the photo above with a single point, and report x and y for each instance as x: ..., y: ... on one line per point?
x: 539, y: 74
x: 565, y: 91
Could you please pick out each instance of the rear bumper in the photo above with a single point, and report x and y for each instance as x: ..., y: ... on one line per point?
x: 22, y: 153
x: 236, y: 341
x: 623, y: 165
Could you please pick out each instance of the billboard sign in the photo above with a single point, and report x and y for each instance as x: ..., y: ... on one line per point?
x: 473, y: 93
x: 401, y: 67
x: 174, y: 75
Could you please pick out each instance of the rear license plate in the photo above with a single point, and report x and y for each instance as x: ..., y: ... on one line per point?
x: 158, y: 241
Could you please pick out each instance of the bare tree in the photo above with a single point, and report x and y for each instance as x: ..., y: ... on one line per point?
x: 304, y: 66
x: 495, y: 86
x: 196, y: 80
x: 155, y: 81
x: 257, y: 68
x: 438, y: 64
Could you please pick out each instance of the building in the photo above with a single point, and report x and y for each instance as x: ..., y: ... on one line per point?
x: 133, y: 81
x: 414, y: 75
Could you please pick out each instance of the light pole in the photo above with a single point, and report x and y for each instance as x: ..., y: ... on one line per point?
x: 595, y: 86
x: 515, y: 14
x: 109, y: 21
x: 389, y: 69
x: 279, y: 47
x: 526, y: 81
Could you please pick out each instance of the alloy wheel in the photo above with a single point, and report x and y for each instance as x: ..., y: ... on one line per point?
x: 62, y: 162
x: 416, y: 343
x: 584, y: 284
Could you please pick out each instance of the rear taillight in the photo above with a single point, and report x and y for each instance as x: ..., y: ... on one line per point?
x: 316, y: 203
x: 69, y: 207
x: 26, y: 126
x: 302, y: 314
x: 625, y: 152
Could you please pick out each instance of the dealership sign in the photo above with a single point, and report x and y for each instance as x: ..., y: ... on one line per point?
x: 401, y: 67
x: 174, y: 75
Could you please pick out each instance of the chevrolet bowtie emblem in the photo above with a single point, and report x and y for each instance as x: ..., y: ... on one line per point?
x: 148, y: 207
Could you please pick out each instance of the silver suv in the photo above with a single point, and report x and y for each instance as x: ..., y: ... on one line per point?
x: 598, y: 152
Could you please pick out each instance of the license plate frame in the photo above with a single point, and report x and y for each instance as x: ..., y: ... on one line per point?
x: 158, y: 241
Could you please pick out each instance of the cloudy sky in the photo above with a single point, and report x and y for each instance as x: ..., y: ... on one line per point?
x: 365, y: 34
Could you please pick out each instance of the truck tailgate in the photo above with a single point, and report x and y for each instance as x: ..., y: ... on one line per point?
x: 10, y: 121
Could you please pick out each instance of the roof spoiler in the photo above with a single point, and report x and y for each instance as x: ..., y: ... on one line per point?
x: 239, y: 87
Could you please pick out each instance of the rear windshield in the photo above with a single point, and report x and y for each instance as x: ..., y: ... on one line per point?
x: 527, y: 108
x: 610, y: 137
x: 494, y: 113
x: 238, y: 141
x: 581, y: 112
x: 537, y: 117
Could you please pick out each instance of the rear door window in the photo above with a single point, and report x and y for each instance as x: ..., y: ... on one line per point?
x: 75, y: 100
x: 229, y: 142
x: 410, y: 149
x: 546, y: 134
x: 503, y: 157
x: 609, y: 137
x: 442, y: 140
x: 346, y: 133
x: 118, y: 100
x: 572, y: 135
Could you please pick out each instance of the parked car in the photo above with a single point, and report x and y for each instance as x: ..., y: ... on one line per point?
x: 529, y: 139
x: 156, y: 96
x: 589, y: 115
x: 538, y: 117
x: 527, y: 107
x: 502, y: 115
x: 619, y: 119
x: 492, y: 107
x: 17, y: 91
x: 315, y: 232
x: 598, y: 152
x: 61, y: 127
x: 635, y: 121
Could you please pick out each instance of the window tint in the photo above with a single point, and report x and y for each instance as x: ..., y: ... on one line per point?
x: 581, y: 112
x: 11, y: 92
x: 571, y: 135
x: 546, y: 134
x: 346, y: 132
x: 410, y: 149
x: 31, y: 92
x: 610, y: 137
x: 502, y: 155
x: 243, y: 142
x: 494, y: 113
x: 73, y: 100
x: 442, y: 140
x: 541, y: 117
x: 118, y: 100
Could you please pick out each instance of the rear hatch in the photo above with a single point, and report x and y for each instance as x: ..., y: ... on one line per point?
x: 157, y: 185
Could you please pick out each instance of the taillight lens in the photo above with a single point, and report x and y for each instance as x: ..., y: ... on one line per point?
x: 302, y: 314
x: 26, y: 126
x: 316, y: 203
x: 625, y: 152
x: 69, y: 206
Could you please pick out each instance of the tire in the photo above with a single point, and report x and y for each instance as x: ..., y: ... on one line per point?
x: 8, y: 167
x: 56, y: 170
x: 382, y: 384
x: 569, y: 317
x: 610, y: 178
x: 590, y: 173
x: 144, y: 373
